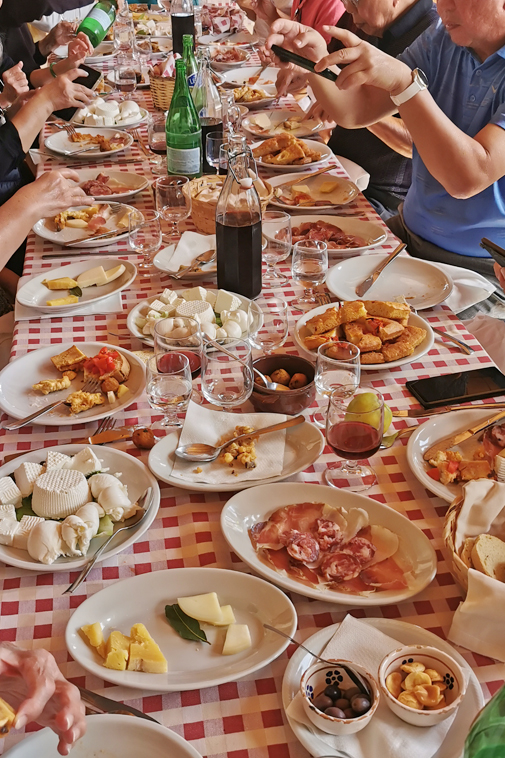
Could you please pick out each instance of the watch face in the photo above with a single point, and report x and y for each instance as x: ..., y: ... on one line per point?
x: 423, y: 79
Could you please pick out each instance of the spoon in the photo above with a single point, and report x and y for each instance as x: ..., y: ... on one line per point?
x: 268, y: 384
x: 202, y: 453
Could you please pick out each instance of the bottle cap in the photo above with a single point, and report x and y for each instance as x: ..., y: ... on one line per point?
x: 246, y: 182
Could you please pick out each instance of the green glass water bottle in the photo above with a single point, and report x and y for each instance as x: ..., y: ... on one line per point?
x: 98, y: 21
x: 184, y: 134
x: 189, y: 59
x: 486, y: 738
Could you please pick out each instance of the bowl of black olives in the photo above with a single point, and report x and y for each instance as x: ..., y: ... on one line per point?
x: 340, y: 698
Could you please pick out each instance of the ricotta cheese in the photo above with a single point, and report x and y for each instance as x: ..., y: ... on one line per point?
x: 57, y: 494
x: 86, y: 462
x: 9, y: 492
x: 26, y: 475
x: 26, y: 525
x: 8, y: 528
x: 200, y: 310
x: 225, y: 301
x: 7, y: 511
x: 56, y: 461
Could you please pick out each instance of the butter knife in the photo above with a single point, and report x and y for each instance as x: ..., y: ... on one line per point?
x: 421, y: 412
x: 456, y: 439
x: 112, y: 435
x: 372, y: 278
x: 100, y: 704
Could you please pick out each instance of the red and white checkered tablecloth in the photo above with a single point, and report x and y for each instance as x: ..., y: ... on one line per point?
x: 243, y: 719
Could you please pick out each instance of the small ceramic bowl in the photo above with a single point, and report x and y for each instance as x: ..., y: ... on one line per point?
x: 432, y: 658
x: 317, y: 677
x: 290, y: 402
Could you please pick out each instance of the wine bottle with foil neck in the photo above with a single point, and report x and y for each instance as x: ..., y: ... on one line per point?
x: 98, y: 21
x: 486, y: 738
x: 183, y: 132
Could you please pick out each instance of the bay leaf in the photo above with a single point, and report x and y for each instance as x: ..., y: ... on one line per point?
x: 186, y: 627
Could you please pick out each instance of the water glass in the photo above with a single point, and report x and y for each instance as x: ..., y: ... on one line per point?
x: 213, y: 146
x: 338, y: 363
x: 144, y: 236
x: 168, y: 386
x: 126, y: 75
x: 276, y: 230
x: 157, y: 137
x: 354, y: 429
x: 184, y: 337
x: 143, y: 51
x: 124, y: 34
x: 269, y: 323
x: 309, y: 267
x: 227, y: 381
x: 172, y: 203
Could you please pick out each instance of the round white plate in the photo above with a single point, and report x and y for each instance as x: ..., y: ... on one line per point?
x: 230, y: 65
x: 130, y: 125
x: 428, y: 433
x: 251, y: 506
x: 111, y: 78
x: 137, y: 478
x: 18, y: 399
x: 304, y: 445
x: 239, y: 76
x: 325, y: 152
x: 110, y: 736
x: 191, y: 665
x: 34, y: 294
x: 162, y: 259
x: 241, y: 39
x: 422, y: 284
x: 269, y: 90
x: 316, y: 742
x: 306, y: 128
x: 373, y: 234
x: 343, y: 194
x: 69, y: 234
x: 104, y: 52
x: 134, y: 183
x: 59, y: 143
x: 414, y: 320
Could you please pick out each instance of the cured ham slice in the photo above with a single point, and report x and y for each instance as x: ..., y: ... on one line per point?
x: 387, y: 575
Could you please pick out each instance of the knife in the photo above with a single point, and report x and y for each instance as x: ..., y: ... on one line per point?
x: 100, y: 704
x: 84, y: 253
x: 421, y: 413
x: 372, y: 278
x: 456, y: 439
x: 112, y: 435
x: 253, y: 79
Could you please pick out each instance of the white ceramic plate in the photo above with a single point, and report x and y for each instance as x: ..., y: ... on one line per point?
x: 269, y: 90
x: 111, y: 78
x: 241, y: 39
x: 110, y: 736
x: 59, y: 143
x: 306, y: 128
x: 373, y: 234
x: 137, y: 478
x: 18, y: 399
x: 230, y: 65
x: 69, y: 234
x: 304, y: 445
x: 314, y: 740
x: 414, y: 320
x: 130, y: 125
x: 324, y: 151
x: 251, y: 506
x: 162, y: 259
x: 344, y: 193
x: 133, y: 183
x: 239, y: 76
x: 190, y: 665
x: 34, y: 294
x: 101, y: 54
x: 422, y: 284
x: 428, y: 433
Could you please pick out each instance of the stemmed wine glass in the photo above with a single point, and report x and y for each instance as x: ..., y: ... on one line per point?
x: 144, y: 236
x: 157, y: 143
x: 269, y: 322
x: 276, y: 230
x: 213, y: 148
x: 354, y: 429
x: 168, y: 386
x: 173, y: 204
x: 126, y: 75
x: 143, y: 51
x: 337, y: 363
x: 226, y: 381
x: 309, y: 266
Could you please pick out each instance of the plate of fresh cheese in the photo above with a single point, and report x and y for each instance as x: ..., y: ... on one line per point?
x: 85, y: 224
x: 110, y: 113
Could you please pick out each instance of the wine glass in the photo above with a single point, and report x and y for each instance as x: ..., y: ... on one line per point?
x: 173, y: 204
x: 126, y: 75
x: 213, y: 149
x: 144, y: 236
x: 143, y: 51
x: 269, y: 323
x: 186, y: 338
x: 230, y: 113
x: 168, y: 386
x: 157, y: 137
x: 309, y: 266
x: 124, y: 35
x: 226, y: 381
x: 337, y: 363
x: 277, y: 236
x: 354, y: 429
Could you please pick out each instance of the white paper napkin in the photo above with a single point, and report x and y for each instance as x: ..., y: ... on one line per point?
x: 482, y: 512
x: 478, y: 622
x: 469, y: 287
x: 111, y: 304
x: 204, y: 425
x: 386, y: 734
x: 490, y: 332
x: 190, y: 245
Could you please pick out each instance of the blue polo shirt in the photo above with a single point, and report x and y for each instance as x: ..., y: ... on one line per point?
x: 472, y: 95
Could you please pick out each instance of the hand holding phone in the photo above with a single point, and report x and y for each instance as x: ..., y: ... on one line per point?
x: 497, y: 252
x: 299, y: 60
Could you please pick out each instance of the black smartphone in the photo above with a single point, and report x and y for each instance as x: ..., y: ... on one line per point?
x: 497, y: 252
x: 289, y: 57
x: 458, y: 388
x: 90, y: 81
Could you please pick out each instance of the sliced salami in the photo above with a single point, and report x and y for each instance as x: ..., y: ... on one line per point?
x: 303, y: 547
x: 328, y: 534
x: 360, y: 548
x: 340, y: 567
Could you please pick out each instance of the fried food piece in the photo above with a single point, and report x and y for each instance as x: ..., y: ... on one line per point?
x: 291, y: 154
x: 385, y: 328
x: 7, y: 717
x: 323, y: 322
x: 52, y: 385
x: 470, y: 470
x: 273, y: 145
x: 110, y: 384
x: 281, y: 376
x: 352, y: 311
x: 69, y: 360
x: 372, y: 357
x: 62, y: 219
x: 143, y: 438
x: 313, y: 341
x: 82, y: 401
x: 297, y: 381
x: 405, y: 345
x: 71, y: 374
x: 387, y: 309
x: 365, y: 342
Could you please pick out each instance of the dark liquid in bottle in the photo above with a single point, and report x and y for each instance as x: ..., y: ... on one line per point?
x: 238, y: 247
x: 354, y: 440
x: 167, y: 361
x: 209, y: 125
x: 182, y: 23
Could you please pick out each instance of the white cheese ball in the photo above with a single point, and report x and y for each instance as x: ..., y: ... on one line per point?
x: 73, y: 533
x: 45, y: 543
x: 241, y: 317
x: 91, y: 514
x: 209, y: 329
x: 166, y: 326
x: 114, y: 501
x: 99, y: 482
x: 221, y: 333
x: 232, y: 329
x: 181, y: 332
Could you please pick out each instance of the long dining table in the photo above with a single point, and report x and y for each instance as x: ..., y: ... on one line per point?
x: 245, y: 718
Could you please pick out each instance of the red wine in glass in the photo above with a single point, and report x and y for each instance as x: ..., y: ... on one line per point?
x: 159, y: 148
x: 167, y: 362
x: 354, y: 440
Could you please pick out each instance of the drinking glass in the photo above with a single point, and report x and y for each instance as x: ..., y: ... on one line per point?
x: 226, y: 381
x: 124, y: 34
x: 143, y: 51
x: 309, y: 266
x: 213, y: 149
x: 223, y: 159
x: 185, y: 338
x: 173, y: 204
x: 277, y: 238
x: 126, y: 75
x: 338, y: 363
x: 144, y: 236
x: 168, y: 386
x: 269, y: 323
x: 157, y: 143
x: 354, y: 429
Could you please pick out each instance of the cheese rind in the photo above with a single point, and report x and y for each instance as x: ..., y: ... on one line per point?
x: 57, y: 494
x: 200, y: 310
x: 25, y: 476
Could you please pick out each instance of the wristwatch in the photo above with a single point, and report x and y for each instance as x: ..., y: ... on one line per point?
x: 419, y: 82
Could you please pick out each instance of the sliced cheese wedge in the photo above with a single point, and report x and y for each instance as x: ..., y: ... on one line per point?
x: 95, y: 276
x: 114, y: 273
x: 238, y: 638
x: 204, y: 608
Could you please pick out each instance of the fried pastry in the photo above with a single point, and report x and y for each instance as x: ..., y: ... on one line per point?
x: 372, y: 357
x: 273, y: 145
x: 385, y: 328
x: 405, y: 345
x: 386, y: 309
x: 313, y: 341
x: 291, y: 154
x: 352, y: 311
x: 323, y: 322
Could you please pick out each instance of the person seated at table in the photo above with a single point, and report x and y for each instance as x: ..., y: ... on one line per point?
x: 457, y: 121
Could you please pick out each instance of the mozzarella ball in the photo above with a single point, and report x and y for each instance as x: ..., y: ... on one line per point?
x: 232, y: 329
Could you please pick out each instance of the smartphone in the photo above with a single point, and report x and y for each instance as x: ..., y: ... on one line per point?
x: 289, y: 57
x: 458, y: 388
x: 497, y: 252
x: 90, y: 81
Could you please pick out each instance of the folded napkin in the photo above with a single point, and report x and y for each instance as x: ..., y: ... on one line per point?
x: 204, y: 425
x: 356, y: 173
x: 190, y: 245
x: 111, y: 304
x: 490, y: 332
x: 482, y: 512
x: 469, y: 287
x: 386, y: 734
x: 478, y: 622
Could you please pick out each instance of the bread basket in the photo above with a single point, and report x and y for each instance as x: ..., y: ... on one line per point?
x: 203, y: 211
x: 457, y: 567
x: 162, y: 89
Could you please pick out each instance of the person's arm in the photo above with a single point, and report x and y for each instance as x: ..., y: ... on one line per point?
x: 15, y: 84
x: 500, y: 274
x: 393, y: 132
x: 61, y: 34
x: 78, y: 49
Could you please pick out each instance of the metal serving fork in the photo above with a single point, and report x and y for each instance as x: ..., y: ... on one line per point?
x: 105, y: 425
x: 138, y: 139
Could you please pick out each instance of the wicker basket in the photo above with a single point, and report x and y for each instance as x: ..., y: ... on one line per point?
x: 457, y: 567
x: 203, y: 212
x: 162, y: 89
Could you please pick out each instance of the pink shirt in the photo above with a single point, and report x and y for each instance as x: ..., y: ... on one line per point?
x: 317, y: 13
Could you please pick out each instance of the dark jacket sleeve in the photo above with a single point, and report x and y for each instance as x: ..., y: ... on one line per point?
x: 11, y: 150
x: 13, y: 13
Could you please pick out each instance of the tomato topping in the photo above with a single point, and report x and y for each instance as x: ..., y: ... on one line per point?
x: 452, y: 466
x: 434, y: 473
x: 103, y: 363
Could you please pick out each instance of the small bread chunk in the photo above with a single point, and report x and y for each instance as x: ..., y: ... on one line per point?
x: 405, y: 345
x: 372, y: 357
x: 466, y: 552
x: 470, y: 470
x: 352, y: 311
x: 488, y: 556
x: 323, y: 322
x: 313, y: 341
x: 70, y: 360
x: 387, y: 309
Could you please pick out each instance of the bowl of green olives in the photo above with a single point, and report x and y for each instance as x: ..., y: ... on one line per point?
x: 339, y: 699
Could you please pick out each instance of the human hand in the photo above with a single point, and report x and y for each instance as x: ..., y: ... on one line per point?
x: 53, y: 193
x: 38, y: 691
x: 500, y: 274
x: 290, y: 80
x: 78, y: 49
x: 63, y: 93
x: 61, y: 34
x: 265, y: 10
x: 298, y: 38
x: 15, y: 84
x: 317, y: 112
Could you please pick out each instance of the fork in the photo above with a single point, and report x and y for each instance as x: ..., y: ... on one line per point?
x: 91, y: 385
x: 105, y: 425
x: 138, y: 139
x: 323, y: 298
x: 389, y: 439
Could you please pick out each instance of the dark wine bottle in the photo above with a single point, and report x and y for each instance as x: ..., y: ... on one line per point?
x: 182, y: 16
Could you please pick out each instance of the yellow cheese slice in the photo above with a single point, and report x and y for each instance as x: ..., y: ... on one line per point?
x: 68, y: 300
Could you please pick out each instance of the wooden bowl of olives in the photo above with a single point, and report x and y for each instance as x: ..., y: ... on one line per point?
x: 332, y: 700
x: 294, y: 374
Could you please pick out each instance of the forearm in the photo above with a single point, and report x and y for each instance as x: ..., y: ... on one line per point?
x: 30, y: 119
x: 16, y: 220
x: 393, y: 132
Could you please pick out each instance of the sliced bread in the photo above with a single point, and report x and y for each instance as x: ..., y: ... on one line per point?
x: 466, y: 551
x: 488, y: 556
